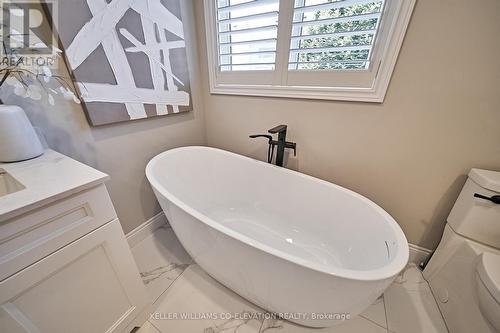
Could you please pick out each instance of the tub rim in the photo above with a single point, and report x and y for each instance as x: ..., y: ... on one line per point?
x: 385, y: 272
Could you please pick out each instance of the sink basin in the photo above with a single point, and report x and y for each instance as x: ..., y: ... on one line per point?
x: 9, y: 184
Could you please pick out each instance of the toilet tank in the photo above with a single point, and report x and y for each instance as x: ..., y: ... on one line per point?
x: 475, y: 218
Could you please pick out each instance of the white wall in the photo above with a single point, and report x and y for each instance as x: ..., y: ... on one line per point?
x: 121, y: 150
x: 410, y: 154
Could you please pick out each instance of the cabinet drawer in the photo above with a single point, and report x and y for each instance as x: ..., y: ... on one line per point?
x: 30, y: 237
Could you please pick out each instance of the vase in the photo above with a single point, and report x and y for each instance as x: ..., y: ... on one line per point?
x: 18, y: 139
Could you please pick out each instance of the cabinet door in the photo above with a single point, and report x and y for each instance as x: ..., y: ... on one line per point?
x: 90, y: 286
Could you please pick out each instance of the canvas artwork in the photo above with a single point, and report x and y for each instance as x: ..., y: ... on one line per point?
x: 127, y: 57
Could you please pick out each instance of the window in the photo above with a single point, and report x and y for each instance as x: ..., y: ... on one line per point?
x: 321, y: 49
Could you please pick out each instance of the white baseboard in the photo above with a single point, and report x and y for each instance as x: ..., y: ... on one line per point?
x: 418, y: 254
x: 146, y: 229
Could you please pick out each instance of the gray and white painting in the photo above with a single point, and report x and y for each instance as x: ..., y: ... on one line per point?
x: 128, y: 57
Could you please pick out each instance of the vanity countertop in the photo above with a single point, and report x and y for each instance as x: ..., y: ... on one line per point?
x: 46, y: 179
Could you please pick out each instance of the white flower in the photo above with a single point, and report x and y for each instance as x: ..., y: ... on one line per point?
x: 19, y: 89
x: 65, y: 93
x: 34, y: 92
x: 68, y: 94
x: 37, y: 91
x: 47, y: 73
x: 50, y: 98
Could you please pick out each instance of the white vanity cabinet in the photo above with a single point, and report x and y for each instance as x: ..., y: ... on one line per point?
x: 66, y: 267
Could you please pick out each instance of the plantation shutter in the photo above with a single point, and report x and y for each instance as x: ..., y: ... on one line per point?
x: 247, y: 35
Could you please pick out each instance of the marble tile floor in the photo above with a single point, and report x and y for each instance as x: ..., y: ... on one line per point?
x: 179, y: 287
x: 161, y: 259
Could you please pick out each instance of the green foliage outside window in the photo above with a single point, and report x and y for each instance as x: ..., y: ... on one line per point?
x: 339, y: 59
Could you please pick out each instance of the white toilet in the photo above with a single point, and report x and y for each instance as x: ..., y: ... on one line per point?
x: 464, y: 272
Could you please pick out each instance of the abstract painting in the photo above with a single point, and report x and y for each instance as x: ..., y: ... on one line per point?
x: 127, y: 57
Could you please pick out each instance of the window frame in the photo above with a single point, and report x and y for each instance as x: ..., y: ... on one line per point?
x: 371, y: 88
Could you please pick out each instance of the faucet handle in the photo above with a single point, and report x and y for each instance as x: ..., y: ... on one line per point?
x: 291, y: 145
x: 278, y: 129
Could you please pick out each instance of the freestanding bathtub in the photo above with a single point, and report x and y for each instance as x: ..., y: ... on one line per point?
x: 311, y: 251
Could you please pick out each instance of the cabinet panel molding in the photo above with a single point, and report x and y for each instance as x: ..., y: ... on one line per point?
x: 32, y: 236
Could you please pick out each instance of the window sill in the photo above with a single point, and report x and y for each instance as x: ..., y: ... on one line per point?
x: 374, y: 95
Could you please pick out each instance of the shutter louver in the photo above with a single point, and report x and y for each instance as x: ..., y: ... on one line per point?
x: 247, y: 34
x: 333, y: 35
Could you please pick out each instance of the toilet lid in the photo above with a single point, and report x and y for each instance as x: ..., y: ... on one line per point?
x: 487, y: 179
x: 488, y: 269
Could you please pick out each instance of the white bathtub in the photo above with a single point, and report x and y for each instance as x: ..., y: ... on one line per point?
x: 292, y: 244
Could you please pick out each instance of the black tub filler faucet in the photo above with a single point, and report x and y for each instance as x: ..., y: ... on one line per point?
x: 281, y: 144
